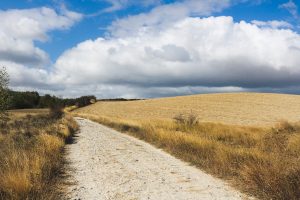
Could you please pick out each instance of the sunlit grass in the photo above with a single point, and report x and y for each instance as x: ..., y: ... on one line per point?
x: 31, y: 155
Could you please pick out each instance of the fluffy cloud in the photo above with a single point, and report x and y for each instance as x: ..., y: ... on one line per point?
x: 191, y: 55
x: 160, y: 53
x: 165, y: 15
x: 19, y: 29
x: 24, y: 76
x: 272, y: 24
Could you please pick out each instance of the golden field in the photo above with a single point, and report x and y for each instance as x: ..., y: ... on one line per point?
x: 232, y: 108
x: 250, y: 148
x: 31, y: 154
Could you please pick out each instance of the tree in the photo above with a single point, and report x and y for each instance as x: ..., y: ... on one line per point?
x: 21, y: 100
x: 4, y: 94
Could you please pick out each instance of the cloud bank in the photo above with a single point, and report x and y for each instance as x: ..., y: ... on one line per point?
x: 155, y: 54
x: 192, y: 53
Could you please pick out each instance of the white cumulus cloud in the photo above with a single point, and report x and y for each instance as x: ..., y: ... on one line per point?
x: 192, y: 54
x: 165, y: 15
x: 19, y: 29
x: 169, y: 51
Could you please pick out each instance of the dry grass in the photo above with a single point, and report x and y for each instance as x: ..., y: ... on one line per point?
x: 31, y: 155
x: 19, y: 113
x: 70, y: 108
x: 261, y: 160
x: 236, y: 108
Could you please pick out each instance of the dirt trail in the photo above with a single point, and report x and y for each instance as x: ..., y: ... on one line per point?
x: 111, y: 165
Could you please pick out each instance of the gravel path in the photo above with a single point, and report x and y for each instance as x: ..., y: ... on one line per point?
x: 110, y: 165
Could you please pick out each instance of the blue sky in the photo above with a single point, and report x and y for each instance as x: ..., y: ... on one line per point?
x: 92, y: 27
x: 71, y: 47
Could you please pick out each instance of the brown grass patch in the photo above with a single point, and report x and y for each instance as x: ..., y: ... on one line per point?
x: 31, y: 155
x: 20, y: 113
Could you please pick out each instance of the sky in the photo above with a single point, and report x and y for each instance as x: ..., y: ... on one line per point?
x: 150, y: 48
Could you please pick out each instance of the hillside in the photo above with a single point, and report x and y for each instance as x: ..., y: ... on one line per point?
x: 229, y: 108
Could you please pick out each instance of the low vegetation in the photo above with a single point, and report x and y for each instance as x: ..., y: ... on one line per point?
x: 253, y: 109
x: 263, y: 161
x: 31, y: 154
x: 32, y: 141
x: 27, y: 100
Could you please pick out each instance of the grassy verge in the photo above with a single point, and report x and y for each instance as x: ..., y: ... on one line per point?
x: 70, y: 108
x: 31, y: 155
x: 262, y: 161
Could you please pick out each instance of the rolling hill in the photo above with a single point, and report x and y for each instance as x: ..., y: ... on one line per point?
x: 228, y: 108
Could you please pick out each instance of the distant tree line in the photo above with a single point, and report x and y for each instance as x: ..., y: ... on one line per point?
x: 119, y: 99
x: 22, y: 100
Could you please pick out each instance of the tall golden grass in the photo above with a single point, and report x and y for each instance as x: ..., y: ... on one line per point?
x: 262, y: 161
x: 31, y: 155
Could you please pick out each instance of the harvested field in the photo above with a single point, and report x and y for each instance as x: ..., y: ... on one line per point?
x: 232, y: 108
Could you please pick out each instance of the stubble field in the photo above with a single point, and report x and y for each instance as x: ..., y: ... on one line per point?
x: 235, y: 108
